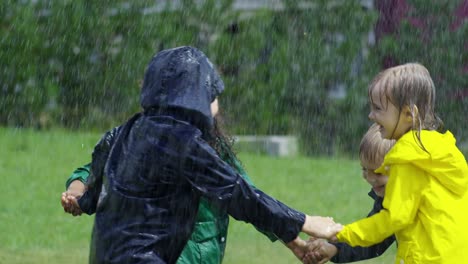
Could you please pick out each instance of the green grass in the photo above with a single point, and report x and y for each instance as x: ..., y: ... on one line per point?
x: 34, y: 229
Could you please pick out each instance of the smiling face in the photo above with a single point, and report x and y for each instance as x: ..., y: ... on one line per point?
x: 376, y: 180
x: 392, y: 121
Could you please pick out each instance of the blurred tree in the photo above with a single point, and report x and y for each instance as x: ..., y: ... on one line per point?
x: 77, y: 38
x: 299, y: 68
x: 435, y: 35
x: 23, y: 89
x: 102, y: 48
x: 95, y: 48
x: 252, y: 55
x: 326, y: 45
x: 282, y: 67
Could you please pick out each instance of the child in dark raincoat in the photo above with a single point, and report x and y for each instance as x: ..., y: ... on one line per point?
x: 208, y: 240
x: 147, y: 180
x: 371, y: 154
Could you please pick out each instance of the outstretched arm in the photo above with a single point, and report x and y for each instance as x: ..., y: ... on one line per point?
x: 218, y: 182
x: 346, y: 253
x: 235, y: 163
x: 401, y: 202
x: 75, y: 188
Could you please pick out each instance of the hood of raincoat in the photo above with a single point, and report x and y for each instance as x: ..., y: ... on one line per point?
x: 182, y: 80
x: 443, y: 160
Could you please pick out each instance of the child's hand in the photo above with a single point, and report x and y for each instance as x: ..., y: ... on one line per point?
x: 70, y: 204
x: 299, y: 247
x: 70, y: 198
x: 321, y: 227
x: 319, y: 251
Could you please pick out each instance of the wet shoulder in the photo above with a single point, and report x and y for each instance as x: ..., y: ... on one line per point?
x: 167, y: 124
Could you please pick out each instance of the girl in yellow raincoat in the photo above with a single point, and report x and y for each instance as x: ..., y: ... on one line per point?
x: 426, y: 200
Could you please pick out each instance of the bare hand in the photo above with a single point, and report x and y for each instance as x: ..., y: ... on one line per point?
x: 321, y: 227
x: 69, y: 199
x: 319, y: 251
x: 299, y: 247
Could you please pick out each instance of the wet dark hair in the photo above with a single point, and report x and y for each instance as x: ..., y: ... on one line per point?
x: 222, y: 142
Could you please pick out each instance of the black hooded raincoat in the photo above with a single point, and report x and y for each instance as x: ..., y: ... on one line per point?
x: 147, y: 178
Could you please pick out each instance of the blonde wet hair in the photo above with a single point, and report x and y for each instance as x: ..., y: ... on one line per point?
x: 410, y: 85
x: 373, y: 146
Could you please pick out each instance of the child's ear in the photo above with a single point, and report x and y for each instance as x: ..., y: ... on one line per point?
x: 410, y: 112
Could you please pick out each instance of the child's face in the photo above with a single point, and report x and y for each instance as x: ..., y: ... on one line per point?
x: 392, y: 122
x: 214, y: 107
x: 376, y: 180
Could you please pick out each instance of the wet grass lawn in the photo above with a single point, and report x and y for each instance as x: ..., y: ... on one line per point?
x: 34, y: 228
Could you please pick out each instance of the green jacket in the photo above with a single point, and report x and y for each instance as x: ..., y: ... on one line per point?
x: 208, y: 240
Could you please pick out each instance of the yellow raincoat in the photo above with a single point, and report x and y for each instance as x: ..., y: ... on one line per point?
x: 425, y: 204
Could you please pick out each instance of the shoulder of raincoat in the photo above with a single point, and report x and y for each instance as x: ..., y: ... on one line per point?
x: 160, y: 165
x: 347, y: 253
x: 425, y: 201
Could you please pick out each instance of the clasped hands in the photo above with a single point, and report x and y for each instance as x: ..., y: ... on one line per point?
x: 317, y: 250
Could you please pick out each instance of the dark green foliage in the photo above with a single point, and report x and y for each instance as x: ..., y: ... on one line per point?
x: 23, y: 88
x: 252, y: 56
x: 282, y: 66
x: 80, y: 63
x: 96, y: 46
x: 328, y: 44
x: 429, y: 36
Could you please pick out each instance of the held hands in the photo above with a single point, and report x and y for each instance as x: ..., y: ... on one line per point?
x: 321, y: 227
x: 319, y: 251
x: 70, y: 198
x: 314, y: 251
x: 299, y: 248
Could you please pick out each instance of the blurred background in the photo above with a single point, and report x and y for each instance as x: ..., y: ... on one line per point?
x: 296, y: 72
x: 290, y: 67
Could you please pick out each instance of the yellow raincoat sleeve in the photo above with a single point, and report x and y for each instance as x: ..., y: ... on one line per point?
x: 402, y: 198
